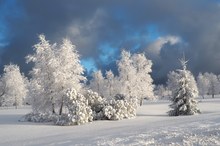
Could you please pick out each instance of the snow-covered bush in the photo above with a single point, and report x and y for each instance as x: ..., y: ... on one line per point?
x: 97, y: 103
x: 38, y: 117
x: 79, y: 112
x: 115, y: 109
x: 121, y: 109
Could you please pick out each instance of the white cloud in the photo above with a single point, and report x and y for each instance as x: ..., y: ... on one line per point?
x: 155, y: 47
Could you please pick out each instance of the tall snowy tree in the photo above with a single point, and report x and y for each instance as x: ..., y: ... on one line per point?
x: 69, y: 73
x: 126, y: 74
x: 14, y: 86
x: 134, y: 75
x: 183, y: 99
x: 144, y: 86
x: 56, y: 69
x: 43, y: 74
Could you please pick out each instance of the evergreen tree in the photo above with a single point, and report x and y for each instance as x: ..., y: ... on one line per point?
x: 183, y: 97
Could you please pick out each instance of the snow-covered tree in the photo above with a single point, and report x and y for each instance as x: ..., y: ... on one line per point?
x: 134, y: 79
x: 172, y: 81
x: 162, y: 92
x: 56, y: 69
x: 126, y: 74
x: 97, y: 82
x: 43, y: 74
x: 183, y: 99
x: 134, y: 75
x: 109, y: 85
x: 69, y: 71
x: 213, y: 83
x: 13, y: 86
x: 144, y: 86
x: 2, y: 90
x: 203, y: 85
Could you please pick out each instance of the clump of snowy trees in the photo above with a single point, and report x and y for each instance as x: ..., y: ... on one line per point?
x: 184, y: 92
x: 208, y: 84
x: 134, y: 79
x: 58, y: 91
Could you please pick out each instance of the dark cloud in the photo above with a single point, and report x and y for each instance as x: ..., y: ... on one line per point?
x: 119, y: 24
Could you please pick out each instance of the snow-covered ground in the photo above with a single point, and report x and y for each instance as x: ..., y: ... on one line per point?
x: 152, y: 126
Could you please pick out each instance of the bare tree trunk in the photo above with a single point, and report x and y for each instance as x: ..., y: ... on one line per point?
x: 141, y: 102
x: 61, y: 107
x: 16, y: 103
x: 53, y: 108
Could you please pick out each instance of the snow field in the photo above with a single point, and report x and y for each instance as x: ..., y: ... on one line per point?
x: 152, y: 126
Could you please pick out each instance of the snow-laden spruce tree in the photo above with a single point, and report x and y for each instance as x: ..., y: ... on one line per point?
x: 14, y: 86
x: 183, y: 97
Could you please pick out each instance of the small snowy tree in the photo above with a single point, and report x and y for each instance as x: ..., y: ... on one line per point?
x: 213, y: 83
x: 97, y: 82
x: 14, y: 87
x: 203, y: 85
x: 162, y: 92
x: 172, y: 81
x: 183, y: 99
x: 109, y: 85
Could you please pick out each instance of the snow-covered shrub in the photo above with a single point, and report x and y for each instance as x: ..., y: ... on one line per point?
x: 97, y: 103
x: 120, y: 109
x: 108, y: 111
x: 38, y: 117
x: 79, y: 112
x: 115, y: 109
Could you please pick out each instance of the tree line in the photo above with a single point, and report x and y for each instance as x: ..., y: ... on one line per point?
x: 57, y: 89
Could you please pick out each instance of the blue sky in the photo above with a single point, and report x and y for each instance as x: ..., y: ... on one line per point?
x: 101, y: 29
